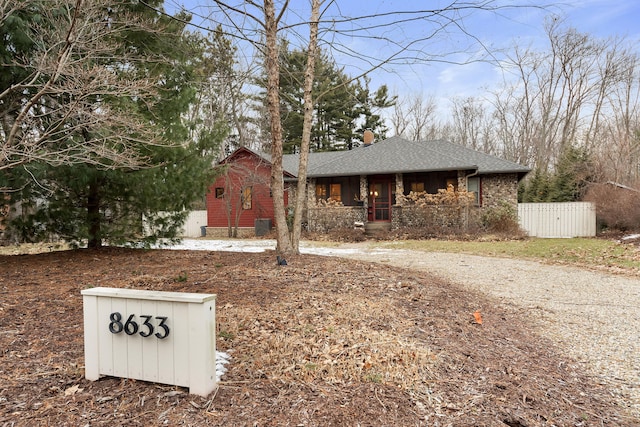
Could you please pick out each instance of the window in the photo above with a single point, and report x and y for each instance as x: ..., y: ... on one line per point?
x: 219, y: 192
x: 246, y: 198
x: 473, y: 186
x: 417, y: 187
x: 329, y: 190
x: 321, y: 191
x: 335, y: 194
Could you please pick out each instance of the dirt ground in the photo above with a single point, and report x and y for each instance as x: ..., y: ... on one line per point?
x: 319, y: 342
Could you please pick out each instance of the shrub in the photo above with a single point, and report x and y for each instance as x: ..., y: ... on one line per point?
x: 617, y: 208
x: 448, y: 196
x: 501, y: 219
x: 346, y: 235
x: 444, y: 213
x: 329, y: 203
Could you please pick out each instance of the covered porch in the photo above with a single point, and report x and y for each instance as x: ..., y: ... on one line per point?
x: 376, y: 201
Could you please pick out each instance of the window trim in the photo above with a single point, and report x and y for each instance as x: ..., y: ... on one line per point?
x: 477, y: 191
x: 247, y: 198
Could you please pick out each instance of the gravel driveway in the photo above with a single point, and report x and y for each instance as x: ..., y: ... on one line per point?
x: 592, y: 316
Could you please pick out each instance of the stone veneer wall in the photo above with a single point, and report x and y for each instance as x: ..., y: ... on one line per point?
x: 325, y: 218
x: 223, y: 232
x: 497, y: 189
x: 436, y: 216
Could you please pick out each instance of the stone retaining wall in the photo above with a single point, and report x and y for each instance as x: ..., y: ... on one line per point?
x: 326, y: 218
x: 442, y: 217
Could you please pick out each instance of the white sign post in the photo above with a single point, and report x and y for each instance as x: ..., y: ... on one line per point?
x: 163, y: 337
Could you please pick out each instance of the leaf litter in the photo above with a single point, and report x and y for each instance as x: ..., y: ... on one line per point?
x: 322, y: 341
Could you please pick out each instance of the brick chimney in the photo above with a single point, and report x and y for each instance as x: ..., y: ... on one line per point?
x: 368, y: 138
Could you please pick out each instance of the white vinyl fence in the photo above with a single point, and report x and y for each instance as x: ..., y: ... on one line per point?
x: 192, y: 226
x: 577, y: 219
x: 195, y: 220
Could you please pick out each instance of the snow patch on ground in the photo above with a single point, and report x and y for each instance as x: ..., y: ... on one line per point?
x: 240, y: 245
x: 222, y: 359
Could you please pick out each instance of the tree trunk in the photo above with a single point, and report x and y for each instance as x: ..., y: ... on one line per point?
x: 284, y: 246
x: 93, y: 215
x: 301, y: 193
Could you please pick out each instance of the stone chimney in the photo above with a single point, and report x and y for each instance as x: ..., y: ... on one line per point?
x: 368, y: 138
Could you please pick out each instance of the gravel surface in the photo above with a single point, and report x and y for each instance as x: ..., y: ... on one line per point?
x: 592, y: 316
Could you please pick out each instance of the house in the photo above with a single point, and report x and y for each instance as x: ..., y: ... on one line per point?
x: 240, y: 195
x: 370, y: 183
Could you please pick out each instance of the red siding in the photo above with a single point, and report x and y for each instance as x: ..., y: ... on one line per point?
x: 245, y: 169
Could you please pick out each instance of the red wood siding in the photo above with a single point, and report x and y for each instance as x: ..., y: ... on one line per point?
x: 245, y: 169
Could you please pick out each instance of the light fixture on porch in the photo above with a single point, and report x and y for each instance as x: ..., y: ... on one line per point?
x: 373, y: 193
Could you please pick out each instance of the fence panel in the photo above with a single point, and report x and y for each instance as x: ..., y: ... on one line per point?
x: 195, y: 220
x: 577, y: 219
x: 191, y: 227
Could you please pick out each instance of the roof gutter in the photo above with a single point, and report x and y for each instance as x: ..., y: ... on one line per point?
x: 466, y: 178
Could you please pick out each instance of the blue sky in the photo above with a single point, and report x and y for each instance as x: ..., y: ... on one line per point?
x: 493, y: 30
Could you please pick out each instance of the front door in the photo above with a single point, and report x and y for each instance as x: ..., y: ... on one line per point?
x: 379, y: 200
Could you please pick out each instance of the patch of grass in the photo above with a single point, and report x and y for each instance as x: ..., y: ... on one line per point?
x: 181, y: 278
x: 581, y: 251
x: 226, y: 335
x: 373, y: 378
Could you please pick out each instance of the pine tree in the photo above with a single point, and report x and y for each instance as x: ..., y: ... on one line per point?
x: 536, y: 190
x: 370, y: 105
x: 86, y: 202
x: 343, y: 107
x: 566, y: 183
x: 571, y: 175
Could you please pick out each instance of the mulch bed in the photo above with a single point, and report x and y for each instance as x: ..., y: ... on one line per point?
x: 319, y: 342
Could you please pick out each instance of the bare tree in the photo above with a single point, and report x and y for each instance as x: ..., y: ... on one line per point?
x: 614, y: 134
x: 414, y: 118
x: 221, y: 97
x: 262, y: 23
x: 557, y: 98
x: 515, y: 108
x: 65, y: 84
x: 471, y: 124
x: 271, y: 23
x: 400, y: 118
x: 309, y: 77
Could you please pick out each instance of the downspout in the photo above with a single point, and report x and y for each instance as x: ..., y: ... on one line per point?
x: 466, y: 187
x: 466, y: 180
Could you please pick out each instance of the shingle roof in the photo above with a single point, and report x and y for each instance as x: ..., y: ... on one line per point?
x: 289, y: 163
x: 398, y: 155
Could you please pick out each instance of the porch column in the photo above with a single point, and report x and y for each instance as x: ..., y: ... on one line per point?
x: 364, y: 190
x: 462, y: 181
x: 399, y: 189
x: 311, y: 192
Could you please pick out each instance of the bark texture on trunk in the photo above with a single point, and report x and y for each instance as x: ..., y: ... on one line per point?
x: 309, y: 75
x: 284, y: 246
